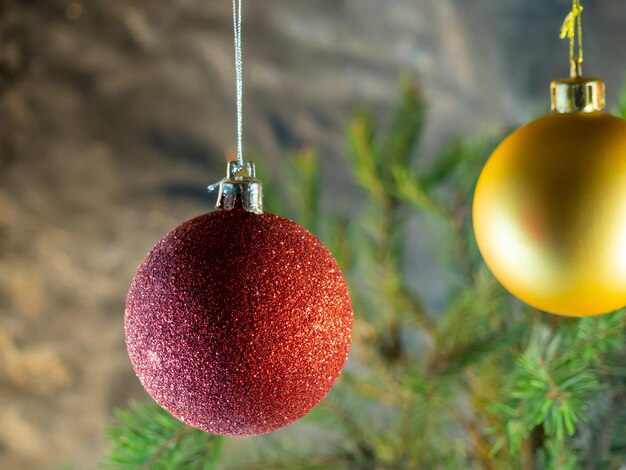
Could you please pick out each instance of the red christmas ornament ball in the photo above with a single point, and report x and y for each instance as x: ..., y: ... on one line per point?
x: 238, y: 323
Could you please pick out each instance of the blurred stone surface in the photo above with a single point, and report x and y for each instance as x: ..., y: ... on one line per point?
x: 114, y: 115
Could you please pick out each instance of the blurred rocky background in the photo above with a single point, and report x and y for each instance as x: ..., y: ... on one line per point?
x: 115, y: 115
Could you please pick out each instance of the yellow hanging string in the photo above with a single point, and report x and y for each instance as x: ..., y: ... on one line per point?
x: 572, y: 29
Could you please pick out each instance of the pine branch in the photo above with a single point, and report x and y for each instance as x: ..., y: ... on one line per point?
x: 551, y: 386
x: 558, y: 455
x: 147, y: 437
x: 330, y: 463
x: 482, y: 382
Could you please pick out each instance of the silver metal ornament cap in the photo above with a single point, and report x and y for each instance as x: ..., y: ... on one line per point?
x: 240, y: 188
x: 577, y: 95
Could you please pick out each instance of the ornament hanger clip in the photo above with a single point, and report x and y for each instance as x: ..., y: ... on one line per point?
x: 240, y: 189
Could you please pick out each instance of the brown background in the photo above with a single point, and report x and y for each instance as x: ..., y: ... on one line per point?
x: 115, y: 114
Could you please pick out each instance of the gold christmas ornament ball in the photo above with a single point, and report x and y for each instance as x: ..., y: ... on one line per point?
x: 550, y: 213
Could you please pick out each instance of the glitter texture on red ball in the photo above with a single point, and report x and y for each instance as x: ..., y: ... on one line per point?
x: 238, y: 323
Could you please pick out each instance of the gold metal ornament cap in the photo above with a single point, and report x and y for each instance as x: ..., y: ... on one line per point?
x: 577, y: 95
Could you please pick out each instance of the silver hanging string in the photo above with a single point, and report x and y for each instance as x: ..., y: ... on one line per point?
x: 240, y: 187
x: 237, y: 21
